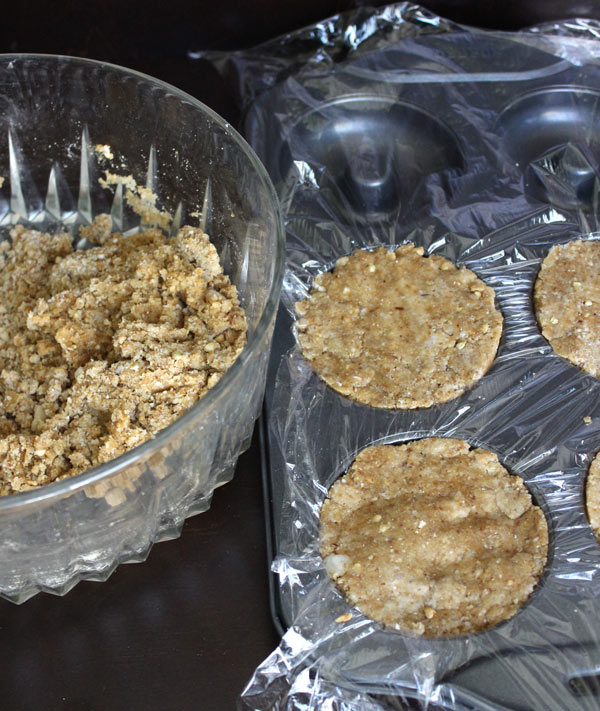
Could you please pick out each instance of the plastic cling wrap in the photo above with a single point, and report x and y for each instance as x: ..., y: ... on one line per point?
x: 482, y: 148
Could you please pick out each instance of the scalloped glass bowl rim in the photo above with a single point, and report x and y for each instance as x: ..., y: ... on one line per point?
x: 105, y: 470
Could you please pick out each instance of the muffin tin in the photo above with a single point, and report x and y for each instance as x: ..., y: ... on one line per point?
x: 483, y: 149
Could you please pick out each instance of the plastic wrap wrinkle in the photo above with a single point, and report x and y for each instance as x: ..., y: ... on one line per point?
x: 386, y: 126
x: 578, y: 27
x: 255, y: 70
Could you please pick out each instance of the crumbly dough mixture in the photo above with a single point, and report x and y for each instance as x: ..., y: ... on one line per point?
x: 102, y: 348
x: 567, y: 302
x: 396, y: 329
x: 432, y: 537
x: 592, y: 495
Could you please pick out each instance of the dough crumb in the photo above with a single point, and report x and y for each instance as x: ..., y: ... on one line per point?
x: 103, y: 151
x: 141, y: 200
x: 99, y: 231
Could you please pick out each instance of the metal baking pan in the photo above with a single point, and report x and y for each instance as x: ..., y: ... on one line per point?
x: 484, y: 150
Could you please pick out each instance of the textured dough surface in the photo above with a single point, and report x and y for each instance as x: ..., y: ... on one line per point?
x: 592, y: 495
x: 567, y: 302
x: 104, y: 347
x: 395, y: 329
x: 432, y: 537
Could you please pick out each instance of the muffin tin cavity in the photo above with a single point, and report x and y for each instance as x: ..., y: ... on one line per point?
x: 553, y: 135
x: 371, y: 153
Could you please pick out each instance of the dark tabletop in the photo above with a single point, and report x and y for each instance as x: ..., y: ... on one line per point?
x: 185, y: 629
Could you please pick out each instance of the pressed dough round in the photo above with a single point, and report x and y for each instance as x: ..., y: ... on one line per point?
x: 567, y: 302
x: 396, y: 329
x: 432, y: 537
x: 592, y: 495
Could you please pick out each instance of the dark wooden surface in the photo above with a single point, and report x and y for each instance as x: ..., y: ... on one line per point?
x: 185, y: 629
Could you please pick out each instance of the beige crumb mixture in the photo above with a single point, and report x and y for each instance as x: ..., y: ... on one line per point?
x: 592, y: 495
x: 396, y: 329
x: 141, y: 200
x: 567, y: 302
x: 433, y: 538
x: 104, y: 347
x: 103, y: 151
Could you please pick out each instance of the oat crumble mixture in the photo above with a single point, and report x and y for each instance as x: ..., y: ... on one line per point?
x: 102, y: 348
x: 433, y: 537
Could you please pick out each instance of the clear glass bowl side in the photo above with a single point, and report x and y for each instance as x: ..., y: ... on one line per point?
x: 86, y: 531
x: 53, y: 112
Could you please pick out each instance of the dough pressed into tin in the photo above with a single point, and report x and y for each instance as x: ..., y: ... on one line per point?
x: 396, y: 329
x: 567, y: 302
x: 592, y: 495
x: 433, y: 537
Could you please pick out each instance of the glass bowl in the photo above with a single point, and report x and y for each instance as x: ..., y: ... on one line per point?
x: 60, y: 121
